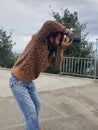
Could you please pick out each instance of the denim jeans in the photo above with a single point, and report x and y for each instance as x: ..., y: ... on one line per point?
x: 28, y: 100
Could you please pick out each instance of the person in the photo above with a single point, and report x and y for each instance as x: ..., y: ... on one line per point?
x: 45, y: 48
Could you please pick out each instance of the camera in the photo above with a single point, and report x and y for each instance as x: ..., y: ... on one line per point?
x: 73, y: 38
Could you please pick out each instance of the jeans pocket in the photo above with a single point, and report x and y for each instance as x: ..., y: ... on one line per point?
x: 12, y: 81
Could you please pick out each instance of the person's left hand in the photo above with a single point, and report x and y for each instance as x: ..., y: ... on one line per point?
x: 66, y: 42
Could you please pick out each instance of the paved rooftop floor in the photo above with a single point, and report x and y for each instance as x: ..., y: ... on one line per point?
x: 67, y: 103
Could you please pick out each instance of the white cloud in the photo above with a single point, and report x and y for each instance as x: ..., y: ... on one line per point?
x: 21, y: 43
x: 26, y: 38
x: 92, y: 38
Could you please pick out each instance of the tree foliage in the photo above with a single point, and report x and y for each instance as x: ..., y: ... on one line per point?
x: 71, y: 21
x: 7, y: 58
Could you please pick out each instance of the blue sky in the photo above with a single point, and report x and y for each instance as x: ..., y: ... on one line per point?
x: 25, y: 17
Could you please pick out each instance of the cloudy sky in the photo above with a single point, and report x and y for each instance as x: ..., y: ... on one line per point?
x: 25, y: 17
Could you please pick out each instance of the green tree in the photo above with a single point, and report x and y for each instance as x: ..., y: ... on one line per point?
x: 71, y: 21
x: 6, y: 44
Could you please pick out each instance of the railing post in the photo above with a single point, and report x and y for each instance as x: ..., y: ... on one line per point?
x: 96, y: 60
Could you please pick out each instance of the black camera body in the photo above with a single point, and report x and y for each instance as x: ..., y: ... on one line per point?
x: 73, y: 38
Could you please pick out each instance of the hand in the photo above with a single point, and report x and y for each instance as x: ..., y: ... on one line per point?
x: 67, y: 32
x: 66, y: 42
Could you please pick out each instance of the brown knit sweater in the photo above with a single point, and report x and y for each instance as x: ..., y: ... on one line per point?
x: 35, y: 58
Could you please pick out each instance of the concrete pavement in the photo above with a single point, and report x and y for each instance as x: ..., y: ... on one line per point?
x: 67, y: 103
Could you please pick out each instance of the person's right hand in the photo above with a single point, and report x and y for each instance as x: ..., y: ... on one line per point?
x: 67, y: 32
x: 66, y: 42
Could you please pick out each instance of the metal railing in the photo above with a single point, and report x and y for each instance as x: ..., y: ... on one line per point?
x: 79, y: 66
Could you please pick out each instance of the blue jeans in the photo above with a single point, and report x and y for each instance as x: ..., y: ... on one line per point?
x: 28, y: 100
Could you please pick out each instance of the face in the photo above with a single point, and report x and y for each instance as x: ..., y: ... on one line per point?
x: 56, y: 41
